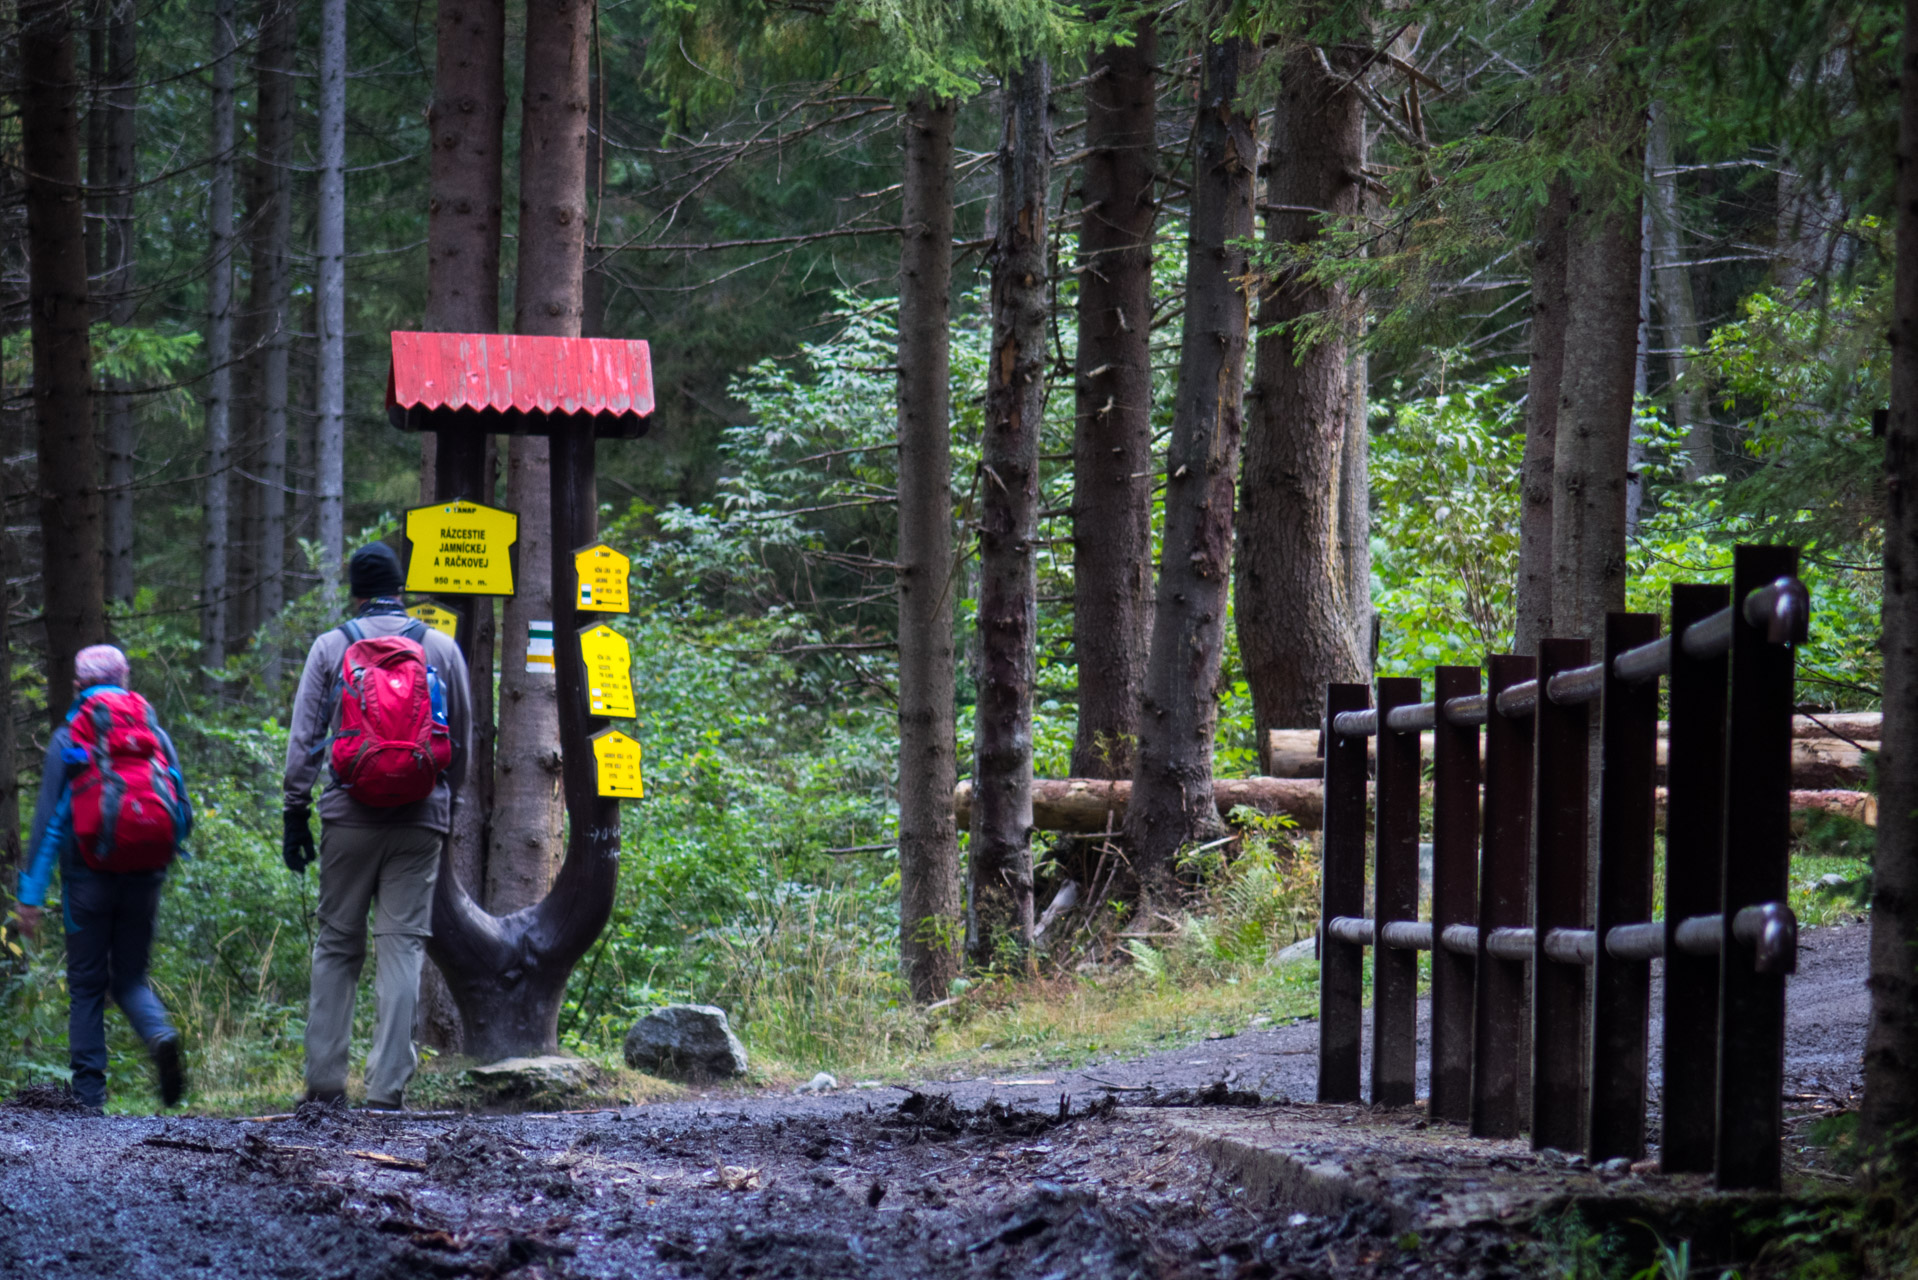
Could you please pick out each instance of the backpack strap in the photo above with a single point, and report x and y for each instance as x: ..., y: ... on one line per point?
x: 330, y: 698
x: 416, y: 632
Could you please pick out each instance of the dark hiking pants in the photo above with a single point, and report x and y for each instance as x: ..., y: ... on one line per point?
x: 110, y: 921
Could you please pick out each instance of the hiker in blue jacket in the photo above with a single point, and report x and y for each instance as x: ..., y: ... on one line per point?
x: 110, y: 915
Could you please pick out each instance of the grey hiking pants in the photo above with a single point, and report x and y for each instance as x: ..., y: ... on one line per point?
x: 394, y: 867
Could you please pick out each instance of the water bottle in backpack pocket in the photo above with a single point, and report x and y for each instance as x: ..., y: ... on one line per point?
x: 392, y: 741
x: 128, y: 806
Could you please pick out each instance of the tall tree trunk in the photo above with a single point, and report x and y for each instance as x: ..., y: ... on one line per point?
x: 929, y: 907
x: 999, y: 865
x: 69, y: 479
x: 509, y: 976
x: 548, y: 299
x: 1171, y: 798
x: 1355, y: 520
x: 1112, y: 411
x: 1672, y: 283
x: 272, y: 287
x: 466, y: 123
x: 329, y: 289
x: 1543, y: 387
x: 215, y: 531
x: 1595, y: 412
x: 1888, y: 1123
x: 1292, y: 599
x: 118, y: 175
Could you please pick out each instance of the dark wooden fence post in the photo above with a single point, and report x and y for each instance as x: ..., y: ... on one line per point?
x: 1342, y: 893
x: 1500, y: 1060
x: 1621, y: 989
x: 1694, y: 858
x: 1395, y: 897
x: 1561, y: 836
x: 1455, y: 778
x: 1751, y: 1005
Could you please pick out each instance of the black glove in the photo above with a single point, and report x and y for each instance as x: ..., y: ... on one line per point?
x: 296, y: 843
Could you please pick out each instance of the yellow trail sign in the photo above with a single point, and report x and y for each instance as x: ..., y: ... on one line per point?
x: 603, y: 574
x: 616, y: 762
x: 441, y: 619
x: 461, y: 549
x: 609, y: 671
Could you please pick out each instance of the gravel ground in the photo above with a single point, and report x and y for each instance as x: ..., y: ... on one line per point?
x: 1037, y: 1176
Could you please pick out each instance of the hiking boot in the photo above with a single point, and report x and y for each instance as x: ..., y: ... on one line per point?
x: 172, y: 1072
x: 325, y: 1097
x: 382, y: 1104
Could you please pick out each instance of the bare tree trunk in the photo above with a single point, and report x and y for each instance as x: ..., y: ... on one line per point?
x: 1112, y: 412
x: 1292, y: 600
x: 272, y: 289
x: 1544, y: 387
x: 466, y: 123
x: 118, y: 174
x: 215, y: 532
x: 69, y: 479
x: 1595, y: 413
x: 509, y: 975
x: 549, y: 299
x: 1355, y: 517
x: 1171, y: 799
x: 929, y: 900
x: 330, y: 291
x: 999, y: 865
x: 1888, y: 1123
x: 1672, y: 281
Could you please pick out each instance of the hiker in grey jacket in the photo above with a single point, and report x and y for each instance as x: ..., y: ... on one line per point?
x: 369, y: 856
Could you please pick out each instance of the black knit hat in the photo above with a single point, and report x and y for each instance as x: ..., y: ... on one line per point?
x: 374, y: 571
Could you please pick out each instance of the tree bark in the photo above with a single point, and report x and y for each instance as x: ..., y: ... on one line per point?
x: 508, y: 975
x: 69, y: 480
x: 270, y: 302
x: 1594, y: 414
x: 215, y: 533
x: 1172, y: 799
x: 1112, y: 411
x: 117, y: 176
x: 1672, y: 285
x: 466, y: 123
x: 1544, y: 385
x: 1888, y: 1122
x: 330, y: 291
x: 1298, y: 521
x: 999, y: 866
x: 929, y: 899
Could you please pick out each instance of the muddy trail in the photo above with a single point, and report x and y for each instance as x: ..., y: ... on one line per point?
x: 1043, y: 1176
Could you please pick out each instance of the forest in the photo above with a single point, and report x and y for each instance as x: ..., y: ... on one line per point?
x: 1053, y: 398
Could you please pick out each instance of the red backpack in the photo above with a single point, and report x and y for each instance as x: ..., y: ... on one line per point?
x: 127, y: 799
x: 392, y: 743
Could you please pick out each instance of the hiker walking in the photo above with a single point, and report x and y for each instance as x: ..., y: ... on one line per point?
x: 112, y: 815
x: 383, y: 705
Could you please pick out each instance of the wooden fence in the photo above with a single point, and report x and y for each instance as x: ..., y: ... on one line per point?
x: 1541, y: 927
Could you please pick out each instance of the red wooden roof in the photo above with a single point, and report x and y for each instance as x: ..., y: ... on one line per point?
x: 512, y: 373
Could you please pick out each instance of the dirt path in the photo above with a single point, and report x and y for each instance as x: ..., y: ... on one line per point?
x: 1037, y: 1176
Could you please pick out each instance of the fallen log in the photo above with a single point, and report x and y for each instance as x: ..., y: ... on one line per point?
x: 1817, y: 763
x: 1088, y: 806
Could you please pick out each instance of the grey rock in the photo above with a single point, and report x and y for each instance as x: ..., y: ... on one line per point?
x: 1304, y: 951
x: 690, y: 1042
x: 522, y: 1077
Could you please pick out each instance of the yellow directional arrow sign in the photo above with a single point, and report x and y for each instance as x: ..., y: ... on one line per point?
x: 439, y: 618
x: 616, y: 758
x: 609, y: 671
x: 461, y: 549
x: 602, y: 574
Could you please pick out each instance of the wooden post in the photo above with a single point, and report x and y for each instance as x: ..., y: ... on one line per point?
x: 1395, y: 893
x: 1694, y: 857
x: 1342, y: 893
x: 1501, y: 1063
x: 1621, y: 989
x: 1560, y: 856
x: 1454, y: 894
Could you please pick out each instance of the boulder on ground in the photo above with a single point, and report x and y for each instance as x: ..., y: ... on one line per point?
x: 525, y: 1077
x: 690, y: 1042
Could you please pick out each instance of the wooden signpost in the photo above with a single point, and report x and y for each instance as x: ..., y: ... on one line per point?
x: 461, y: 548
